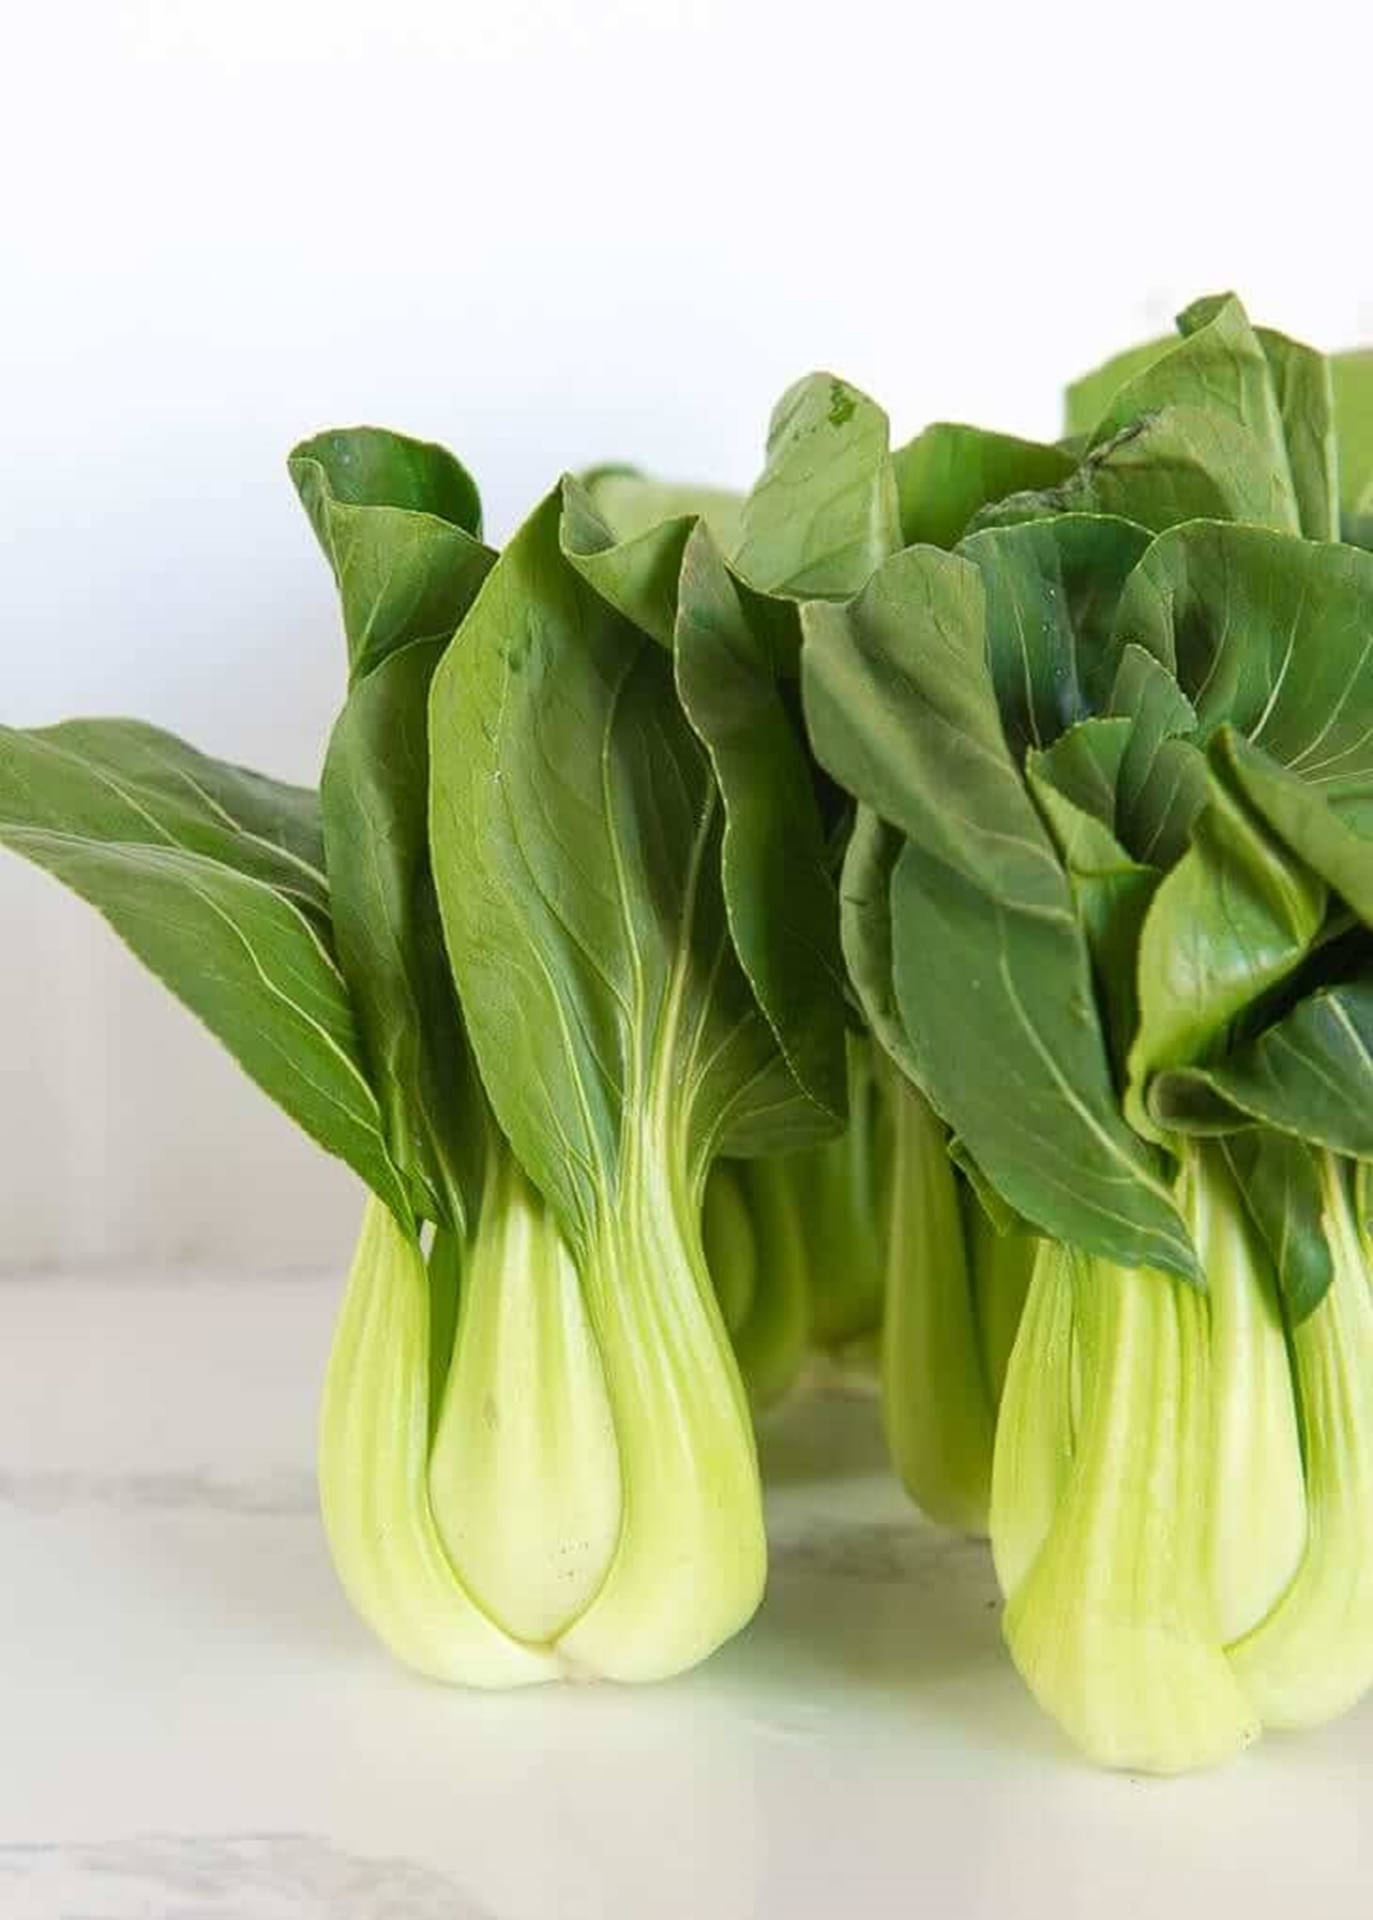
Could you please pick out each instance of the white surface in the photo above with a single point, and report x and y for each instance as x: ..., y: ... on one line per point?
x: 195, y: 1729
x: 546, y: 234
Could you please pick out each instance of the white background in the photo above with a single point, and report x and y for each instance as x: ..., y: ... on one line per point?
x: 544, y: 235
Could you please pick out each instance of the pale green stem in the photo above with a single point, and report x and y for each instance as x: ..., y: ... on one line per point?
x: 1000, y: 1265
x: 1313, y: 1655
x: 1034, y: 1432
x: 1257, y: 1499
x: 524, y: 1475
x: 935, y: 1406
x: 1111, y: 1625
x: 373, y: 1448
x: 691, y: 1559
x: 841, y: 1189
x: 772, y: 1340
x: 728, y: 1238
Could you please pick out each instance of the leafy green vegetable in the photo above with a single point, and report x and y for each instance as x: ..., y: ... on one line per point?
x: 399, y: 521
x: 948, y: 473
x: 576, y: 830
x: 924, y: 902
x: 825, y: 512
x: 214, y: 877
x: 991, y: 968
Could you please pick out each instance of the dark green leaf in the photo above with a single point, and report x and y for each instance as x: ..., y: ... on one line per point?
x: 1308, y: 1074
x: 991, y: 967
x: 1269, y: 634
x: 1281, y: 1185
x: 1330, y: 828
x: 375, y: 798
x: 1051, y: 593
x: 1075, y: 783
x: 866, y: 934
x: 1161, y: 782
x: 199, y: 868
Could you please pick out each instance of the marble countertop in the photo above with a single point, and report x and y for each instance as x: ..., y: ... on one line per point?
x: 192, y: 1727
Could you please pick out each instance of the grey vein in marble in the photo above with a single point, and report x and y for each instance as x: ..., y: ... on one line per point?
x: 877, y: 1553
x: 267, y: 1876
x: 58, y: 1491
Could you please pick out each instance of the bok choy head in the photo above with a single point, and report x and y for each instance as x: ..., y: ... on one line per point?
x: 1107, y: 899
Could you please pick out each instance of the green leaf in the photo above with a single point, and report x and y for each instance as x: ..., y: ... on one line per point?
x: 1088, y: 398
x: 1002, y: 1220
x: 205, y: 872
x: 1280, y: 1181
x: 824, y: 514
x: 1306, y: 403
x: 948, y: 473
x: 866, y: 933
x: 779, y: 894
x: 629, y: 503
x: 1352, y: 380
x: 399, y: 521
x: 1232, y: 919
x: 576, y: 830
x: 1300, y: 379
x: 991, y: 967
x: 1052, y: 587
x: 1075, y: 782
x: 1329, y: 828
x: 635, y: 572
x: 1194, y: 433
x: 1161, y: 783
x: 1308, y: 1074
x: 375, y: 799
x: 1268, y: 634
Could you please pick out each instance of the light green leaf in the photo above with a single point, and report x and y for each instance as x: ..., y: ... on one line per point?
x: 991, y: 967
x: 1196, y: 432
x: 634, y: 572
x: 1329, y: 828
x: 1232, y: 919
x: 1352, y: 380
x: 1088, y: 398
x: 1306, y: 402
x: 200, y: 869
x: 399, y: 521
x: 948, y: 473
x: 824, y: 514
x: 630, y: 503
x: 1301, y: 385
